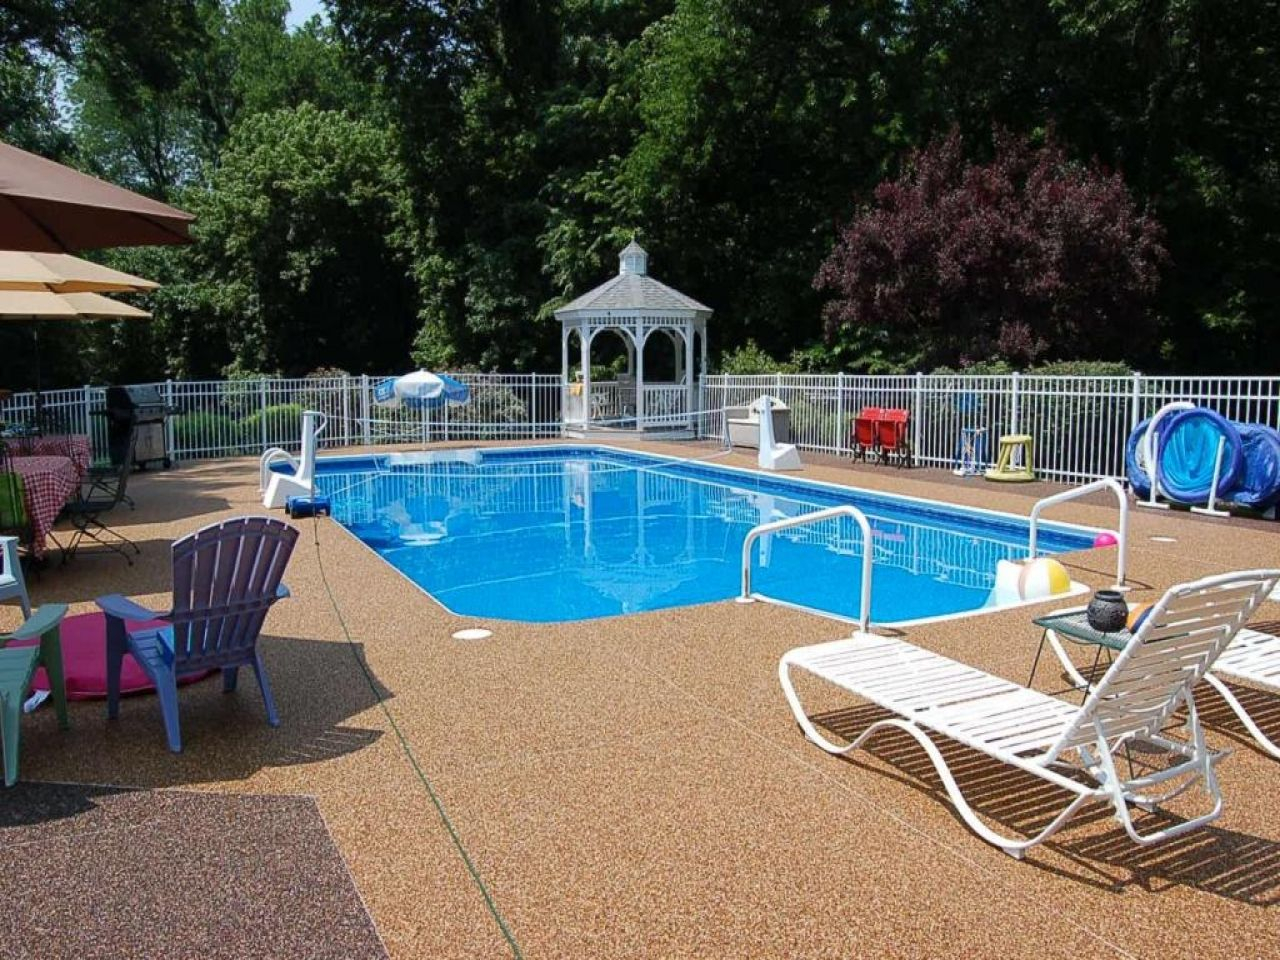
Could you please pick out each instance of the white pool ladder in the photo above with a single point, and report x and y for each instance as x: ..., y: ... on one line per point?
x: 1122, y: 535
x: 755, y: 533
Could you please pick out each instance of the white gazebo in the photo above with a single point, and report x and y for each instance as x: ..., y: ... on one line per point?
x: 634, y: 306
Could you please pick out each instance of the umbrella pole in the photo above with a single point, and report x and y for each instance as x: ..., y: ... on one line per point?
x: 39, y: 400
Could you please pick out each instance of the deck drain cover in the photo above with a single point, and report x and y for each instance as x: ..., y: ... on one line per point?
x: 1164, y: 539
x: 473, y: 633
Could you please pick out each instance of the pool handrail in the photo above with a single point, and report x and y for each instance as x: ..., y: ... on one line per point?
x: 844, y: 510
x: 1122, y: 535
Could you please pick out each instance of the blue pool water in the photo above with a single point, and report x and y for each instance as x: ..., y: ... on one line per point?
x: 551, y: 534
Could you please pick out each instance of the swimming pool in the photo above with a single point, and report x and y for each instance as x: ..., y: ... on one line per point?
x: 553, y: 534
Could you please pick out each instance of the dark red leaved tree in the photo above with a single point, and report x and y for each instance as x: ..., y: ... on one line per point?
x: 1028, y: 257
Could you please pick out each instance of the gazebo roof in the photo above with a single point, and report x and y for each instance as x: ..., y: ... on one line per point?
x: 632, y: 290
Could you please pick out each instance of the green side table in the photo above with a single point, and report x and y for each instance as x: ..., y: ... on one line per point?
x: 1073, y: 624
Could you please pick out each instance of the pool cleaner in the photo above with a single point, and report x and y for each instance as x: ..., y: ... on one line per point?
x: 312, y: 505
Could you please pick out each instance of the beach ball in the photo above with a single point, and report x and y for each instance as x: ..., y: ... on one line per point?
x: 1043, y: 577
x: 1105, y: 539
x: 1137, y: 614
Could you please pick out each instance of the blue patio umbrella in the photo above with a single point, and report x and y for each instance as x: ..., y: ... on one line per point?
x: 420, y: 390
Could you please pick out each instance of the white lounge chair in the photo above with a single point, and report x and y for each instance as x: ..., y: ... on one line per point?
x: 1054, y: 740
x: 1253, y: 657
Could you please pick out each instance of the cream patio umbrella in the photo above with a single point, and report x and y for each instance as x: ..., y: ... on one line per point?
x: 56, y: 286
x: 63, y: 273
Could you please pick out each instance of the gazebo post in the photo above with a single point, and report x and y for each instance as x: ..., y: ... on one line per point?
x: 564, y: 371
x: 688, y: 371
x: 702, y: 367
x: 639, y: 338
x: 584, y: 332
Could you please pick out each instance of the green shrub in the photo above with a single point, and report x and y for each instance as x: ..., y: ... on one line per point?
x: 750, y: 359
x: 1054, y: 368
x: 283, y: 425
x: 201, y: 430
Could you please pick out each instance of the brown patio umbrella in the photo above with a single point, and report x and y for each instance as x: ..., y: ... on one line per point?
x: 50, y: 208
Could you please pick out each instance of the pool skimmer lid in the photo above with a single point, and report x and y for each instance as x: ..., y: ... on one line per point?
x: 473, y: 633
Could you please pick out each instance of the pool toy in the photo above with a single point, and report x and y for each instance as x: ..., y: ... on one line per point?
x: 1258, y: 486
x: 1137, y: 614
x: 1188, y: 462
x: 1105, y: 539
x: 1203, y: 461
x: 1006, y: 469
x: 1030, y: 580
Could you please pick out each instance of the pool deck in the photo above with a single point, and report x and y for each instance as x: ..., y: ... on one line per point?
x: 628, y: 787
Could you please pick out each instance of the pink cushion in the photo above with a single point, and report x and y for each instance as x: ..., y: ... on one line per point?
x: 84, y: 659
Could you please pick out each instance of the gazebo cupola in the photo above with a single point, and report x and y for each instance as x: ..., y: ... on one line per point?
x: 634, y: 306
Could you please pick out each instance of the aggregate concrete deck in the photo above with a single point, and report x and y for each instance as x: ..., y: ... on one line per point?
x: 635, y: 786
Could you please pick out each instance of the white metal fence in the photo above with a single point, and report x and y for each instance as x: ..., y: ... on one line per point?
x: 1079, y: 424
x: 223, y: 418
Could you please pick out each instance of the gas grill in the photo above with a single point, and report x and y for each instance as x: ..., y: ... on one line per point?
x: 142, y: 411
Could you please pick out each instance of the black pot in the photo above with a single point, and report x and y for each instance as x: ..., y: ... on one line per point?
x: 1107, y: 611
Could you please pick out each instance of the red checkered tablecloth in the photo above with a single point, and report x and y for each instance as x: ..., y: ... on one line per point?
x: 49, y: 483
x: 73, y: 445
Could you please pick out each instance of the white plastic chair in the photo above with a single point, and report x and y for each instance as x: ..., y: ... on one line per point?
x: 12, y: 583
x: 1072, y: 747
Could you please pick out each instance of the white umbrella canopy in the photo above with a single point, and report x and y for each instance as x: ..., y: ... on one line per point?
x: 420, y: 390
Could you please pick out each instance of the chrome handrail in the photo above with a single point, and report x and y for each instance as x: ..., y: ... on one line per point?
x: 1104, y: 484
x: 755, y: 533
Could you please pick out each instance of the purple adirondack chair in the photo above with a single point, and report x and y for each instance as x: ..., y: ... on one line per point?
x: 226, y: 576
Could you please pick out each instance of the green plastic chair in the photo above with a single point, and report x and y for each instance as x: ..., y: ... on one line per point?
x: 13, y: 502
x: 18, y: 664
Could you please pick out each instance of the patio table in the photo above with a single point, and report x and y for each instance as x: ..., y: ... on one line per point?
x: 1073, y: 624
x: 77, y: 446
x: 48, y: 484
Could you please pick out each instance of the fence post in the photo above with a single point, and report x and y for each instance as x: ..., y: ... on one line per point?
x: 366, y: 432
x: 917, y: 416
x: 88, y: 421
x: 262, y: 392
x: 169, y: 432
x: 1135, y: 402
x: 346, y: 410
x: 840, y: 427
x: 1013, y: 401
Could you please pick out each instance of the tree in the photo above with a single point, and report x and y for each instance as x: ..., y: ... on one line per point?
x: 1026, y: 257
x: 303, y: 253
x: 244, y: 61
